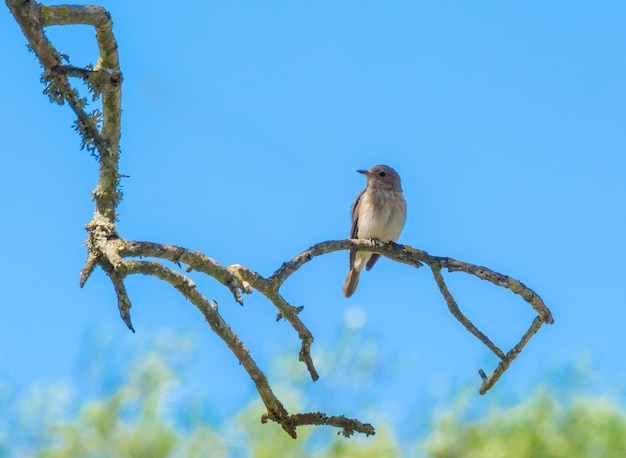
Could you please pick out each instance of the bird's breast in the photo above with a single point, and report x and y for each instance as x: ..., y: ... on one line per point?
x: 381, y: 215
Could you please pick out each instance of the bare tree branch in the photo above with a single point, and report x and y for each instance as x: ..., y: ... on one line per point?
x: 488, y: 382
x: 275, y: 410
x: 241, y: 277
x: 454, y: 309
x: 123, y: 301
x: 209, y: 310
x: 100, y: 134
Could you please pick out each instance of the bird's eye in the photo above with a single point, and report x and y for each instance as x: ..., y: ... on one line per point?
x: 382, y: 174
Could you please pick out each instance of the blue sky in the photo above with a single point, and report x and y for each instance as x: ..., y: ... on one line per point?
x: 243, y: 126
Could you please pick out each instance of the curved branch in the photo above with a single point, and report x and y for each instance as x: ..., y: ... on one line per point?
x: 401, y: 253
x: 510, y: 283
x: 194, y: 259
x: 416, y: 258
x: 454, y: 309
x: 235, y: 278
x: 408, y: 255
x: 275, y: 410
x: 241, y: 277
x: 209, y: 310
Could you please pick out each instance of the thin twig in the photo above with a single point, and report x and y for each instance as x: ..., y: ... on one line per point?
x: 490, y: 381
x: 348, y: 426
x: 88, y: 268
x: 123, y: 301
x: 454, y: 309
x: 286, y: 310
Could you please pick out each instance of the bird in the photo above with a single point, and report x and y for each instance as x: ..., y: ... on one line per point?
x: 378, y: 212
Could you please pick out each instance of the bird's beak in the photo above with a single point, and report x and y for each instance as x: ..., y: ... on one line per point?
x: 364, y: 172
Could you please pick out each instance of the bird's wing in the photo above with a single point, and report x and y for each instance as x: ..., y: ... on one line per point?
x: 355, y: 225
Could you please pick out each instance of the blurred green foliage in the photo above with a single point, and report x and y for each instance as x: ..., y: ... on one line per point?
x: 141, y: 418
x: 542, y: 426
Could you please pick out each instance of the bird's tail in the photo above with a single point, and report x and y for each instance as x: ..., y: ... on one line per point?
x: 349, y: 285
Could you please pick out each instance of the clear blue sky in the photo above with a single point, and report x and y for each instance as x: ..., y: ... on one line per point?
x: 243, y: 126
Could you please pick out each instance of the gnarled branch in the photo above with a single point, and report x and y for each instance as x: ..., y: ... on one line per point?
x: 100, y: 134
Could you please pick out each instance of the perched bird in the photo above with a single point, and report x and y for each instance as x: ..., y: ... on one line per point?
x: 378, y: 212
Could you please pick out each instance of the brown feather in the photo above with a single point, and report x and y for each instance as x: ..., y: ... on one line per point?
x: 354, y: 230
x: 349, y: 285
x: 372, y: 261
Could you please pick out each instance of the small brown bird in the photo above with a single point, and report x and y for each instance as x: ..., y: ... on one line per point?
x: 379, y: 212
